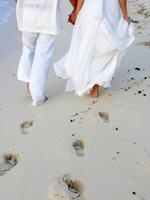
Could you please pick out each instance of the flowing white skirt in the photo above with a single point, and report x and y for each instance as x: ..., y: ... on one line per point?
x: 99, y: 40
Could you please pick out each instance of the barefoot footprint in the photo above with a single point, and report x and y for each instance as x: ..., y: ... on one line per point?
x: 26, y: 127
x: 104, y: 116
x: 79, y: 147
x: 7, y: 162
x: 65, y: 188
x: 144, y: 44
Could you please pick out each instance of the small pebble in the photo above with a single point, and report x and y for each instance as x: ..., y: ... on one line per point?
x: 134, y: 193
x: 138, y: 69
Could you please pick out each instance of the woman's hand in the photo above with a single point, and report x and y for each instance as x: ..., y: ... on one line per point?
x: 127, y: 19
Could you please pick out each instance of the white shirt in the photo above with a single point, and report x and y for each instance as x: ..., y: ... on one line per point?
x: 42, y: 16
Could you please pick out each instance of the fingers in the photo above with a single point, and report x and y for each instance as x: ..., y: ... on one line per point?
x: 128, y: 20
x: 70, y: 19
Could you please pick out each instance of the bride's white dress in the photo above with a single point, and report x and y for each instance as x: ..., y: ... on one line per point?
x: 99, y: 40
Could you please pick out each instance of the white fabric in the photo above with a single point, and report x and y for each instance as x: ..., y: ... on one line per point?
x: 40, y: 16
x: 99, y: 40
x: 35, y: 63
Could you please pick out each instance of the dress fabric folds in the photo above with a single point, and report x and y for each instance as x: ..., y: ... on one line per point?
x: 99, y: 40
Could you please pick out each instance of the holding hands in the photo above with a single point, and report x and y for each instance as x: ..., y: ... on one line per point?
x: 72, y: 17
x: 77, y: 4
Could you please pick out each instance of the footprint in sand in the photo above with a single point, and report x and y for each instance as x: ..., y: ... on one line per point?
x: 26, y: 127
x: 104, y: 116
x: 7, y: 162
x: 144, y: 44
x: 140, y: 27
x: 65, y: 188
x: 79, y: 147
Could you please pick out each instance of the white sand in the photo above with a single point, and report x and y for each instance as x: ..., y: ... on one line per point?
x: 117, y: 154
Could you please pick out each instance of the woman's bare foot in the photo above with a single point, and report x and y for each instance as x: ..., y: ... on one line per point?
x: 28, y: 90
x: 94, y: 92
x: 94, y: 95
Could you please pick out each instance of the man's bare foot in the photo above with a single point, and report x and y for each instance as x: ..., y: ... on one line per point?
x: 46, y: 98
x: 28, y: 90
x: 94, y: 92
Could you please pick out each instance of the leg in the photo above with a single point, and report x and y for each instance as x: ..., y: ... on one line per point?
x: 28, y: 90
x: 40, y: 68
x: 94, y: 92
x: 29, y: 43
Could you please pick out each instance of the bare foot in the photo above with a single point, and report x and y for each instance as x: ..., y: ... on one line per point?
x: 46, y: 98
x: 93, y: 94
x: 28, y: 90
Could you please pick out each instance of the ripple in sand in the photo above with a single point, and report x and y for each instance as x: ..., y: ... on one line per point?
x: 7, y: 162
x: 79, y: 147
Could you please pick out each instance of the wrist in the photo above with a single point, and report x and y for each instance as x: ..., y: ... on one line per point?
x: 125, y: 16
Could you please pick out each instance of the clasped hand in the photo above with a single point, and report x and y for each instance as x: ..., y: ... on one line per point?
x: 72, y: 17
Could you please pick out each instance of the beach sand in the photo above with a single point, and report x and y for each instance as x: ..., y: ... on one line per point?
x: 45, y: 154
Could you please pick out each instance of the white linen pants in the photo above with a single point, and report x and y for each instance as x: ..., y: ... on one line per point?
x: 35, y: 63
